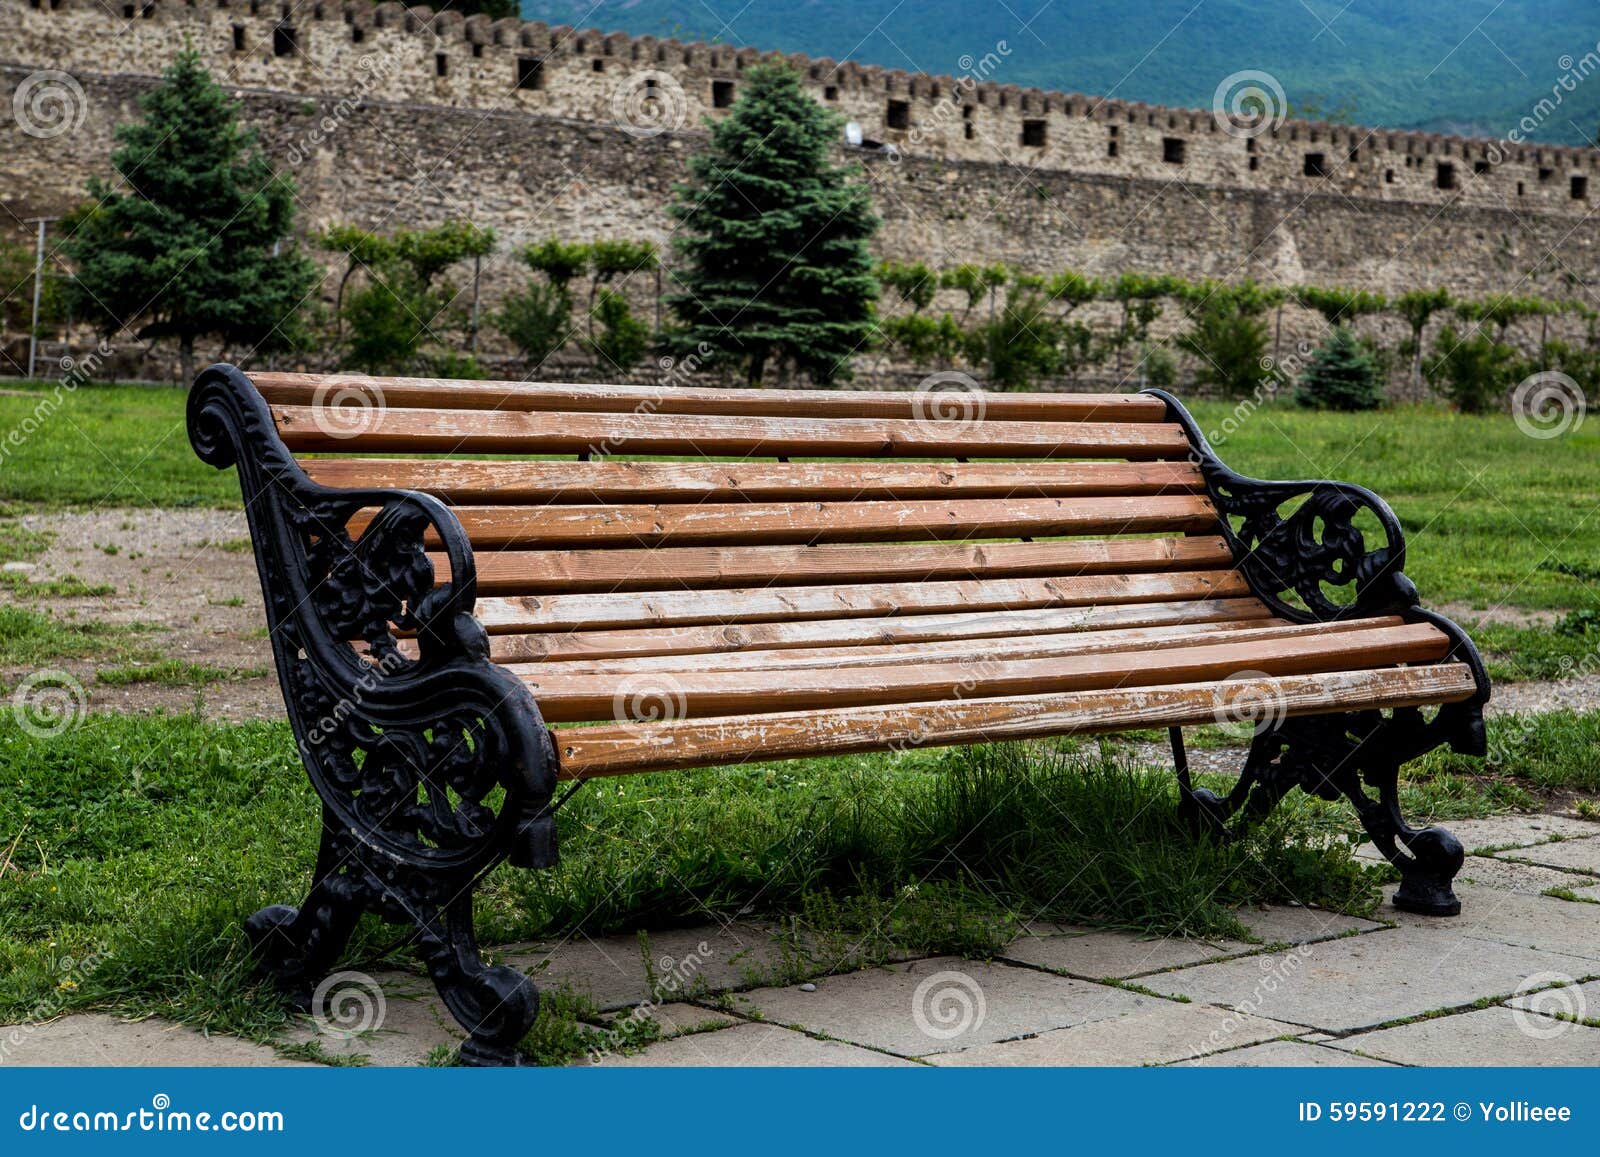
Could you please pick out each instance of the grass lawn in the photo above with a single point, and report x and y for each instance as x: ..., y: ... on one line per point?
x: 1493, y: 517
x: 140, y: 843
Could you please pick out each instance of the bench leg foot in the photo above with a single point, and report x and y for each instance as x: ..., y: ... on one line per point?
x: 297, y: 947
x: 1334, y: 756
x: 496, y: 1005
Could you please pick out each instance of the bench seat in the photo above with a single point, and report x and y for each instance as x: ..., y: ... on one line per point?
x: 477, y: 590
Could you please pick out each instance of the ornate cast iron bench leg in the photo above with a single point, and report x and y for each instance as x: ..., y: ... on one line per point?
x: 408, y: 754
x: 1300, y: 540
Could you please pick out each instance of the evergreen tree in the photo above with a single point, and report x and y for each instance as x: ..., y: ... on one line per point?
x: 774, y: 238
x: 196, y: 245
x: 1341, y: 375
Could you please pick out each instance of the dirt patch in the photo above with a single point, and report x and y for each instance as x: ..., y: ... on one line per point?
x: 186, y: 574
x: 1469, y: 617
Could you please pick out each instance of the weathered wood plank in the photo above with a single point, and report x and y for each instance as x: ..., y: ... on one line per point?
x: 507, y: 572
x: 610, y: 481
x: 619, y: 749
x: 530, y: 432
x: 753, y: 605
x: 777, y: 523
x: 1032, y: 646
x: 513, y: 648
x: 443, y: 394
x: 566, y: 698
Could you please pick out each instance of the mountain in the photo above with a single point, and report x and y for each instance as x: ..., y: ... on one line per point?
x: 1470, y: 66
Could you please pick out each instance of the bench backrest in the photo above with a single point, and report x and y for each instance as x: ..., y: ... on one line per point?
x: 681, y: 520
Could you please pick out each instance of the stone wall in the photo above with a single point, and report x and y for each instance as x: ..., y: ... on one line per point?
x: 390, y: 116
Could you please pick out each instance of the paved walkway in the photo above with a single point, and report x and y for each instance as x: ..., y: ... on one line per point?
x: 1514, y: 981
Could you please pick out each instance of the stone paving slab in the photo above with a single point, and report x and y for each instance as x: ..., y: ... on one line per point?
x: 1511, y: 876
x: 1160, y: 1034
x: 404, y: 1029
x: 1497, y: 832
x: 95, y: 1039
x: 1291, y: 924
x: 1540, y: 922
x: 1286, y: 1054
x: 939, y: 1005
x: 749, y: 1045
x: 1115, y: 954
x: 611, y: 969
x: 1575, y: 1001
x: 1363, y: 981
x: 1488, y: 1036
x: 1576, y: 855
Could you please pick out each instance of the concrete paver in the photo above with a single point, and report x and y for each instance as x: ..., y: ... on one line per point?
x: 752, y: 1045
x: 1286, y: 1054
x: 939, y: 1005
x: 1487, y: 1036
x: 1363, y: 981
x: 95, y: 1039
x: 1161, y: 1034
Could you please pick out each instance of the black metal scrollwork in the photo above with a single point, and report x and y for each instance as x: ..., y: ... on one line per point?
x: 1315, y: 547
x: 407, y: 752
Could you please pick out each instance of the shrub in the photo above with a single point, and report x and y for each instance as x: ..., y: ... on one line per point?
x: 1229, y: 340
x: 1472, y: 372
x: 1341, y: 375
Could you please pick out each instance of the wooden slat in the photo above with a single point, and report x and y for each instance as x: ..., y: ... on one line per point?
x: 443, y: 394
x: 776, y: 523
x: 516, y: 648
x: 1033, y: 646
x: 523, y: 432
x: 530, y: 572
x: 754, y: 605
x: 586, y: 752
x: 609, y: 481
x: 566, y: 698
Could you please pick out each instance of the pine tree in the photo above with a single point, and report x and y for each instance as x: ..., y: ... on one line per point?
x: 196, y: 245
x: 1341, y: 375
x: 774, y: 238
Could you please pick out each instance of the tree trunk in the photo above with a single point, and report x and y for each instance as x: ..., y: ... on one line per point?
x: 758, y: 365
x: 186, y: 359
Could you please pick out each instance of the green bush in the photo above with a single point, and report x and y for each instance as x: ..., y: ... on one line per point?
x: 1229, y: 341
x: 1341, y: 375
x: 1474, y: 372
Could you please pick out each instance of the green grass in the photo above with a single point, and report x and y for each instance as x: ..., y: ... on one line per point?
x: 141, y: 842
x: 31, y: 639
x: 1492, y: 516
x: 174, y: 673
x: 105, y: 446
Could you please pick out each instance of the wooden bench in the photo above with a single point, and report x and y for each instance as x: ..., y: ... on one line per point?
x: 772, y: 574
